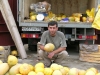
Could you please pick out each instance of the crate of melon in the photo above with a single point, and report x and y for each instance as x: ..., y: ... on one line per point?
x: 4, y: 53
x: 89, y: 53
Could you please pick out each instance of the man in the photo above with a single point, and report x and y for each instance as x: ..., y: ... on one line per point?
x: 52, y: 35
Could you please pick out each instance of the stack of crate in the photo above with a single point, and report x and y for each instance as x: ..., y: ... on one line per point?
x: 4, y: 53
x: 90, y: 56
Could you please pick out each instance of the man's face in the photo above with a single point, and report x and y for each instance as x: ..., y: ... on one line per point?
x: 52, y: 30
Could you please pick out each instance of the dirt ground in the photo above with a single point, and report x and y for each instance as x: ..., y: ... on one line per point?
x: 72, y: 60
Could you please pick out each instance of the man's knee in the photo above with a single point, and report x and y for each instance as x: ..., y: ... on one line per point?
x: 63, y: 54
x: 41, y: 53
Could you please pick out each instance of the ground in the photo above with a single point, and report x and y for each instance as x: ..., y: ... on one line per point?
x: 72, y: 60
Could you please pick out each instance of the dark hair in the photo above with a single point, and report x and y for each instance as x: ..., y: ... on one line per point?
x: 52, y: 23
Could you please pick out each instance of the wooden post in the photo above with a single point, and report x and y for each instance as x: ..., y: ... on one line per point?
x: 10, y: 22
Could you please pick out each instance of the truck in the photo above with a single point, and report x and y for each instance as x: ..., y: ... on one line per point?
x: 77, y: 32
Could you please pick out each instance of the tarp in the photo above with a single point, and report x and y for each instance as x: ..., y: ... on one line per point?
x: 96, y: 22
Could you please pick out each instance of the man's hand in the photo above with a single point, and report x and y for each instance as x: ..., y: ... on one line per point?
x: 50, y: 55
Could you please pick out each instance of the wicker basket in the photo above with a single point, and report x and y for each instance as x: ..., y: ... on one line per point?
x: 4, y: 54
x: 90, y: 56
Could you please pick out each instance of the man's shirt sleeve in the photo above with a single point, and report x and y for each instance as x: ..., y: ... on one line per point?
x: 43, y: 39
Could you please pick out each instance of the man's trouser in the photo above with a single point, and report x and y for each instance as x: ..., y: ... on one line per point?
x: 58, y: 58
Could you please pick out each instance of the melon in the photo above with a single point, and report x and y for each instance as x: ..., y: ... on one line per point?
x: 14, y: 52
x: 33, y: 17
x: 73, y: 71
x: 31, y: 73
x: 40, y: 64
x: 2, y: 48
x: 56, y: 72
x: 39, y: 69
x: 90, y: 72
x: 24, y: 69
x: 81, y: 72
x: 63, y: 71
x: 12, y: 60
x: 94, y: 70
x: 40, y: 73
x: 48, y: 71
x: 98, y: 74
x: 67, y: 69
x: 7, y: 73
x: 18, y: 74
x: 32, y: 68
x: 54, y: 66
x: 60, y: 66
x: 14, y: 69
x: 4, y: 67
x: 49, y: 47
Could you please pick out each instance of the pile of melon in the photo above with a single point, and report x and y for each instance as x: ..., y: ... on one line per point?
x: 12, y: 67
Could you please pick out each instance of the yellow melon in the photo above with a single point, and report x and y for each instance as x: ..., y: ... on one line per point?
x: 90, y: 72
x: 67, y: 69
x: 18, y: 74
x: 98, y: 74
x: 14, y: 52
x: 24, y: 69
x: 81, y: 72
x: 40, y: 64
x: 31, y: 67
x: 7, y: 73
x: 12, y: 60
x: 54, y: 66
x: 33, y: 17
x: 73, y: 71
x: 56, y: 72
x: 60, y: 66
x: 49, y: 47
x: 40, y: 73
x: 39, y: 69
x: 63, y: 71
x: 14, y: 69
x: 31, y: 73
x: 48, y: 71
x: 94, y: 69
x: 4, y: 67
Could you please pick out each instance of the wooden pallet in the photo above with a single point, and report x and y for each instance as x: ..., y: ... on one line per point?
x: 4, y: 54
x: 90, y: 56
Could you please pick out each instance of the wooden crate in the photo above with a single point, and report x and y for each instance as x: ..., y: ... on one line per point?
x: 4, y: 54
x: 90, y: 56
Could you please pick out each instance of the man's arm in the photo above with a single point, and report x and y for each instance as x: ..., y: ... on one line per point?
x: 51, y: 54
x: 41, y: 47
x: 59, y: 50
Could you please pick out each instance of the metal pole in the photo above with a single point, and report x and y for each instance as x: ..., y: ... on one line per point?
x: 9, y: 19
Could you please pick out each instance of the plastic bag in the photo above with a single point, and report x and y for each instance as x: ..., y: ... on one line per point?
x: 96, y: 22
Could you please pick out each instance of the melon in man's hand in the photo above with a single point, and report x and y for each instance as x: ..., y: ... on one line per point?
x: 49, y: 47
